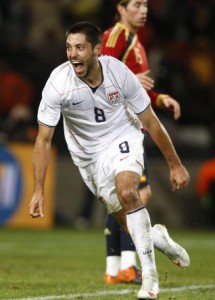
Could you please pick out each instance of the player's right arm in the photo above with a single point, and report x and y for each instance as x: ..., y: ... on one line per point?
x: 41, y: 155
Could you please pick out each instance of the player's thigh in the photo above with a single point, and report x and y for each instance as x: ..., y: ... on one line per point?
x: 127, y: 189
x: 127, y: 180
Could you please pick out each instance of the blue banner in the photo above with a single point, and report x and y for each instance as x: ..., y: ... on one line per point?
x: 11, y: 184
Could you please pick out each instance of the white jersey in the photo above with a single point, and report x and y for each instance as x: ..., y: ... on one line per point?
x: 93, y: 119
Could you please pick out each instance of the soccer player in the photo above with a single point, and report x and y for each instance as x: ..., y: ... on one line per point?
x: 103, y: 106
x: 121, y: 41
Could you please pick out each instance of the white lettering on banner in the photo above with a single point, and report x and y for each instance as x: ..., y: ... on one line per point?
x: 8, y: 177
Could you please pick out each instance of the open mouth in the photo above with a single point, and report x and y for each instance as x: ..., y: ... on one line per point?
x: 78, y: 66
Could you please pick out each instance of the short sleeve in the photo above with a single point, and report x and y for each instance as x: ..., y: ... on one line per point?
x: 50, y: 106
x: 138, y: 99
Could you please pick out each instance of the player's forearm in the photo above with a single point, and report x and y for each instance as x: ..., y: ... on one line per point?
x: 164, y: 143
x: 160, y: 136
x: 41, y: 155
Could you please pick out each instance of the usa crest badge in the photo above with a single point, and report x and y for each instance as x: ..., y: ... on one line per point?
x: 113, y: 97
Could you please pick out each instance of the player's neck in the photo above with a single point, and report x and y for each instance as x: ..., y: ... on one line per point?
x: 95, y: 77
x: 131, y: 28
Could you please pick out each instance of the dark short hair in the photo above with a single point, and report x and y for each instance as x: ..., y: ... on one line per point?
x: 92, y: 32
x: 122, y: 2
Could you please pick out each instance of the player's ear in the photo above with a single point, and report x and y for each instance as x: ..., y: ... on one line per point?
x: 98, y: 49
x: 120, y: 9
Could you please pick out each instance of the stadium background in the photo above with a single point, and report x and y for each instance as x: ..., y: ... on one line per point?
x: 180, y: 40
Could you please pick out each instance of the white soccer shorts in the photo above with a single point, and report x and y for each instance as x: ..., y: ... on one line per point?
x: 125, y: 154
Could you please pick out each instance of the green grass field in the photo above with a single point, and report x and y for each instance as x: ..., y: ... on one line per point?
x: 68, y: 264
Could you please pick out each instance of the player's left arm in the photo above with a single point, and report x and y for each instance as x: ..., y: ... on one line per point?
x: 179, y: 177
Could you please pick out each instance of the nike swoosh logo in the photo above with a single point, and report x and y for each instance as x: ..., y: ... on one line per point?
x: 76, y: 103
x: 124, y: 157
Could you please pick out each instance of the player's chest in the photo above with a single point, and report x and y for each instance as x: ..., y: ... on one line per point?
x: 136, y: 55
x: 85, y: 98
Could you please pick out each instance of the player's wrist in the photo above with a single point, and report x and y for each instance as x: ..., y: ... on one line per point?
x: 160, y: 100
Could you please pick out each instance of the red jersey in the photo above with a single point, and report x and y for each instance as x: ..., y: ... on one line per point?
x: 119, y: 42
